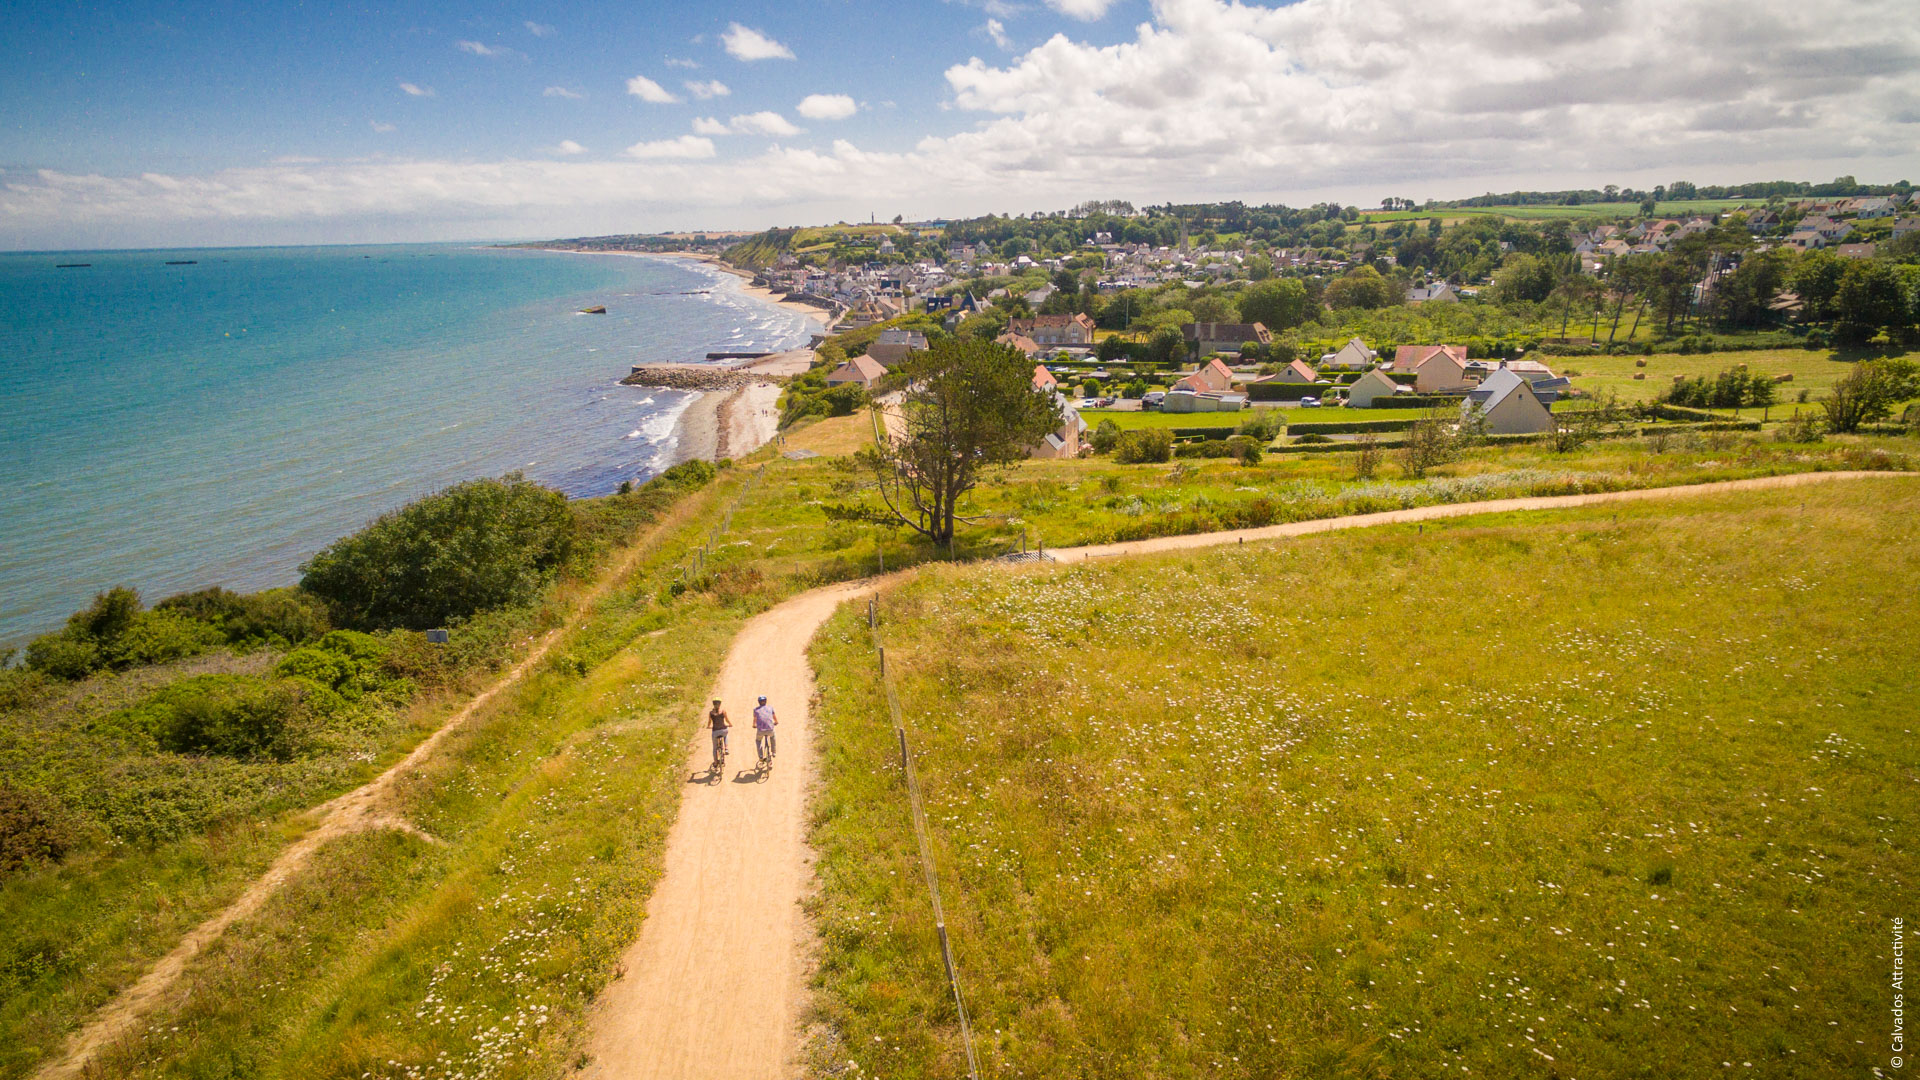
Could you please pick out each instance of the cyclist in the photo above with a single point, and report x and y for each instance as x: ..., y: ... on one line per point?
x: 718, y: 722
x: 763, y: 724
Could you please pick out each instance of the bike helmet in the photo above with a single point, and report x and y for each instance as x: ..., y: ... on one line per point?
x: 763, y: 699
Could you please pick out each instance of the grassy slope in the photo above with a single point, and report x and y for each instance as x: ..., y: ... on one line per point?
x: 1608, y: 793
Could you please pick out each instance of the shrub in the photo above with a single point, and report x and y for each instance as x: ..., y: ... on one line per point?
x: 34, y: 829
x: 1246, y: 448
x: 1803, y: 427
x: 279, y: 617
x: 1104, y: 437
x: 156, y: 637
x: 59, y: 656
x: 1143, y: 447
x: 237, y: 717
x: 1311, y: 437
x: 1204, y: 448
x: 476, y: 546
x: 1264, y: 424
x: 113, y: 632
x: 345, y: 662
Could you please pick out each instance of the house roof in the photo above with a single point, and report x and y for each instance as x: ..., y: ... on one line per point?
x: 1409, y: 357
x: 1300, y: 368
x: 1498, y: 387
x: 1019, y: 341
x: 864, y: 368
x: 1043, y: 378
x: 1224, y: 331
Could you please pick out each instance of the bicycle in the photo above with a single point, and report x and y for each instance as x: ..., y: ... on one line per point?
x: 763, y: 748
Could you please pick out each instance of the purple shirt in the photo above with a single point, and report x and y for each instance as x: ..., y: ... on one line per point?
x: 763, y: 718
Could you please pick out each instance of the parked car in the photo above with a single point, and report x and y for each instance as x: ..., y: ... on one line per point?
x: 1153, y: 399
x: 1309, y: 402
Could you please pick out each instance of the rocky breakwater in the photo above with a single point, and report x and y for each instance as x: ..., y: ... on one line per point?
x: 704, y: 377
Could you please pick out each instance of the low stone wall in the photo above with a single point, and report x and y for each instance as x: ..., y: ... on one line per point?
x: 696, y: 377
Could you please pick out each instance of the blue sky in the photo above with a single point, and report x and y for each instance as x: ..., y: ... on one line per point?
x: 138, y: 124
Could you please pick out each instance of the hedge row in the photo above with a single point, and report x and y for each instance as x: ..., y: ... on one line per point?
x: 1273, y: 391
x: 1202, y: 432
x: 1418, y: 401
x: 1347, y: 427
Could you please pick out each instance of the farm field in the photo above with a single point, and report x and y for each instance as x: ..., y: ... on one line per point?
x: 1602, y: 792
x: 1814, y: 370
x: 1599, y: 212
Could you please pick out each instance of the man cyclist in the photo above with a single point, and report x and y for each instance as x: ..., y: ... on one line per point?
x: 718, y: 722
x: 763, y: 724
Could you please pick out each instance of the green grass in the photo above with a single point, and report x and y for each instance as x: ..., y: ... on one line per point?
x: 1812, y: 370
x: 1137, y: 420
x: 1608, y: 792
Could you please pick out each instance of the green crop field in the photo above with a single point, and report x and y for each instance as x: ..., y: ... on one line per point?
x: 1604, y: 792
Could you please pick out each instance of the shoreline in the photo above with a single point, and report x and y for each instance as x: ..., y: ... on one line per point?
x: 734, y: 422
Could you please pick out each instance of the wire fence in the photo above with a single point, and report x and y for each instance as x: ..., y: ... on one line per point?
x: 697, y: 558
x: 920, y: 835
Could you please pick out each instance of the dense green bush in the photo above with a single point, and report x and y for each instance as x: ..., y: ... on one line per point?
x: 1274, y: 391
x: 276, y: 617
x: 34, y: 829
x: 1143, y: 447
x: 476, y: 546
x: 236, y: 716
x: 344, y: 662
x: 114, y: 632
x: 1104, y: 437
x: 1337, y: 427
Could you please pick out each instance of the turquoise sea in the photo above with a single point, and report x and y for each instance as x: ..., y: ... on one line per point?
x: 177, y: 419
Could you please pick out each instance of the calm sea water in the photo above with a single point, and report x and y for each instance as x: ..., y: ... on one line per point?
x: 176, y: 426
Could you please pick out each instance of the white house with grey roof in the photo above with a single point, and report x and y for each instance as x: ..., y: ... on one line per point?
x: 1508, y: 404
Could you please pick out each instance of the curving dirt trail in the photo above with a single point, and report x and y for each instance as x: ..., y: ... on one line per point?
x: 714, y: 985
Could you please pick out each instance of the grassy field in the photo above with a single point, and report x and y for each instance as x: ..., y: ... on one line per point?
x: 1602, y: 792
x: 1812, y: 370
x: 479, y: 952
x: 1596, y: 212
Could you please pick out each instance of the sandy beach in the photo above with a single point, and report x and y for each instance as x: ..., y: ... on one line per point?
x: 746, y: 285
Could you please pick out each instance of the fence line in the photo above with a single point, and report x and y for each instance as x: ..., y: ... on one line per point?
x: 697, y: 558
x: 920, y: 835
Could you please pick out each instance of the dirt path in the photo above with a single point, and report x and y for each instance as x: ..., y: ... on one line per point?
x: 365, y: 807
x: 714, y: 984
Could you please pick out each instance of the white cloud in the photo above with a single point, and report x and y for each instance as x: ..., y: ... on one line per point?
x: 562, y: 92
x: 539, y: 29
x: 760, y: 123
x: 416, y: 91
x: 707, y: 91
x: 746, y: 43
x: 478, y: 49
x: 682, y: 62
x: 647, y: 90
x: 1088, y: 10
x: 997, y: 32
x: 377, y: 126
x: 568, y: 147
x: 826, y: 107
x: 685, y: 147
x: 1345, y: 99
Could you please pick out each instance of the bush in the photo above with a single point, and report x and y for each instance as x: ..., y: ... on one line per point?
x: 1348, y: 427
x: 1246, y: 449
x: 277, y: 617
x: 34, y: 829
x: 1143, y: 447
x: 344, y: 662
x: 476, y: 546
x: 1104, y: 437
x: 1273, y: 391
x: 236, y: 716
x: 1205, y: 448
x: 1311, y: 438
x: 113, y: 632
x: 1803, y: 427
x: 1264, y: 424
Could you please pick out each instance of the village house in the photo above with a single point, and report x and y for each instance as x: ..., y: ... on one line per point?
x: 1441, y: 293
x: 1905, y: 225
x: 861, y: 370
x: 1371, y: 387
x: 1026, y: 345
x: 1353, y: 356
x: 1064, y: 441
x: 1190, y: 401
x: 1075, y: 329
x: 1209, y: 338
x: 893, y: 346
x: 1213, y: 377
x: 1854, y: 251
x: 1296, y: 372
x: 1508, y: 406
